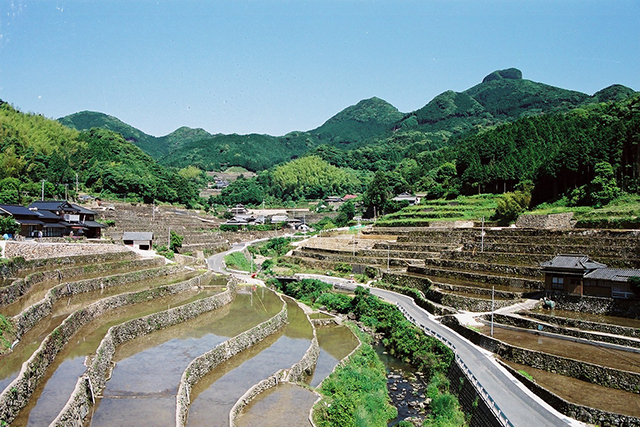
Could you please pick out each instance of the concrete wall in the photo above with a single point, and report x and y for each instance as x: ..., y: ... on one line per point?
x: 203, y: 364
x: 94, y: 379
x: 17, y: 394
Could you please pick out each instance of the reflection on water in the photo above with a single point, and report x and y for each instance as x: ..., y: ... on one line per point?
x: 284, y: 405
x: 214, y: 396
x: 584, y: 393
x: 336, y: 342
x: 57, y: 385
x: 145, y: 380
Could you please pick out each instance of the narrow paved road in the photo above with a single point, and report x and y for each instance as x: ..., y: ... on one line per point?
x: 519, y: 405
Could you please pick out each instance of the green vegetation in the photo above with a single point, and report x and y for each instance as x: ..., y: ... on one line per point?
x: 8, y: 225
x: 238, y: 261
x: 445, y: 409
x: 355, y: 394
x: 175, y: 241
x: 36, y: 149
x: 7, y: 333
x: 525, y: 374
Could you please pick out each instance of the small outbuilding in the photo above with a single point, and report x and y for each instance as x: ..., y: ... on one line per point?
x: 138, y: 239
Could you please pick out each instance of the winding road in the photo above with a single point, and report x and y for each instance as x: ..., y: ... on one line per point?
x: 518, y: 404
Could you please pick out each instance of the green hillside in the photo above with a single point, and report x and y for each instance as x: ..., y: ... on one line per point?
x: 35, y: 149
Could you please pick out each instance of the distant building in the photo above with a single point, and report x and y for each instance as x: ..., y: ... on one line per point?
x: 333, y: 199
x: 138, y: 239
x: 349, y: 197
x: 75, y: 219
x: 406, y: 197
x: 239, y: 210
x: 578, y: 275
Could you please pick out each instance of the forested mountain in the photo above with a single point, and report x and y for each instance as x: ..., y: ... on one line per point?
x: 372, y: 134
x: 35, y: 149
x: 156, y: 147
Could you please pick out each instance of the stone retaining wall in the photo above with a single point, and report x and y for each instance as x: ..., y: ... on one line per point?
x: 481, y: 267
x: 470, y: 402
x: 17, y: 394
x: 16, y: 265
x: 397, y: 281
x: 31, y: 315
x: 30, y: 250
x: 465, y: 302
x: 531, y: 324
x: 553, y: 221
x: 582, y: 413
x: 93, y: 381
x: 598, y: 305
x: 481, y: 291
x: 476, y: 276
x: 596, y: 374
x: 296, y: 373
x: 585, y: 325
x: 20, y: 287
x: 203, y: 364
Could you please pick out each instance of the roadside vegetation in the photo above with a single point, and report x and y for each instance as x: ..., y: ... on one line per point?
x: 401, y: 339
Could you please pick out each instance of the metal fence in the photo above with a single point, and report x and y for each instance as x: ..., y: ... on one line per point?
x: 482, y: 392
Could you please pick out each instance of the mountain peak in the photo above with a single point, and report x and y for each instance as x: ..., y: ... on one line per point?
x: 509, y: 73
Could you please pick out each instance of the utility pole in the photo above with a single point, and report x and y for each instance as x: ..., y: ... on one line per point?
x: 169, y: 241
x: 153, y: 210
x: 77, y: 190
x: 493, y: 291
x: 43, y: 190
x: 66, y: 191
x: 482, y: 237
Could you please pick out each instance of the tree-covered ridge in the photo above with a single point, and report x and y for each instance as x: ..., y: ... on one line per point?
x: 36, y: 149
x: 371, y: 134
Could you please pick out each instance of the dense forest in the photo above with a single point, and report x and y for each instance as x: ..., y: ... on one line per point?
x: 504, y: 134
x: 39, y: 153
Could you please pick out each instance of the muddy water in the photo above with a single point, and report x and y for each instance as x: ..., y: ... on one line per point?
x: 39, y: 290
x: 283, y: 405
x: 598, y: 318
x: 53, y: 392
x: 592, y: 353
x: 584, y: 393
x: 145, y: 380
x: 214, y: 396
x: 10, y: 363
x: 336, y: 342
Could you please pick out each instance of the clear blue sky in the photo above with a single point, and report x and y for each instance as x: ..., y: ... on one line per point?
x: 276, y: 66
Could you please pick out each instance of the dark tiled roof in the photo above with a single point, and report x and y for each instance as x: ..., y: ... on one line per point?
x: 51, y: 205
x: 48, y: 214
x: 93, y: 224
x: 572, y: 262
x: 137, y: 235
x: 613, y: 274
x: 82, y: 210
x: 19, y: 210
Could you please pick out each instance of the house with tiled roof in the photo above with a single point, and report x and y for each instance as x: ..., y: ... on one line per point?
x: 30, y: 222
x: 578, y: 275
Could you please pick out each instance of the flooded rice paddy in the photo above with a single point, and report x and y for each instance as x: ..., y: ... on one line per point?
x: 284, y: 405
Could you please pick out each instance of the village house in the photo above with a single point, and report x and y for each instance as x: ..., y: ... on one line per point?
x: 138, y: 239
x: 578, y: 275
x: 75, y: 220
x: 406, y: 197
x: 30, y: 222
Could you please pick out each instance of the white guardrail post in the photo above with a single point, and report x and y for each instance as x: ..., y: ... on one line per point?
x: 482, y: 392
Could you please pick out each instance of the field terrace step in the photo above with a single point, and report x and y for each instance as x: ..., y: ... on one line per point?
x: 513, y: 281
x: 359, y: 258
x: 481, y: 266
x: 416, y: 247
x: 594, y: 251
x: 527, y: 259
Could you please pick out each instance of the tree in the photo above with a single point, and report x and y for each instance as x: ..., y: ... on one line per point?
x: 378, y: 193
x: 346, y: 213
x: 176, y: 241
x: 8, y: 225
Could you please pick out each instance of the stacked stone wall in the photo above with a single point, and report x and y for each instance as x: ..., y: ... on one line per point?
x: 30, y: 316
x: 596, y: 374
x: 513, y: 281
x: 465, y: 302
x: 551, y: 221
x: 628, y: 308
x: 32, y: 250
x: 19, y: 287
x: 586, y: 325
x: 17, y: 394
x: 582, y: 413
x: 203, y: 364
x: 94, y: 379
x: 469, y: 399
x: 520, y: 322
